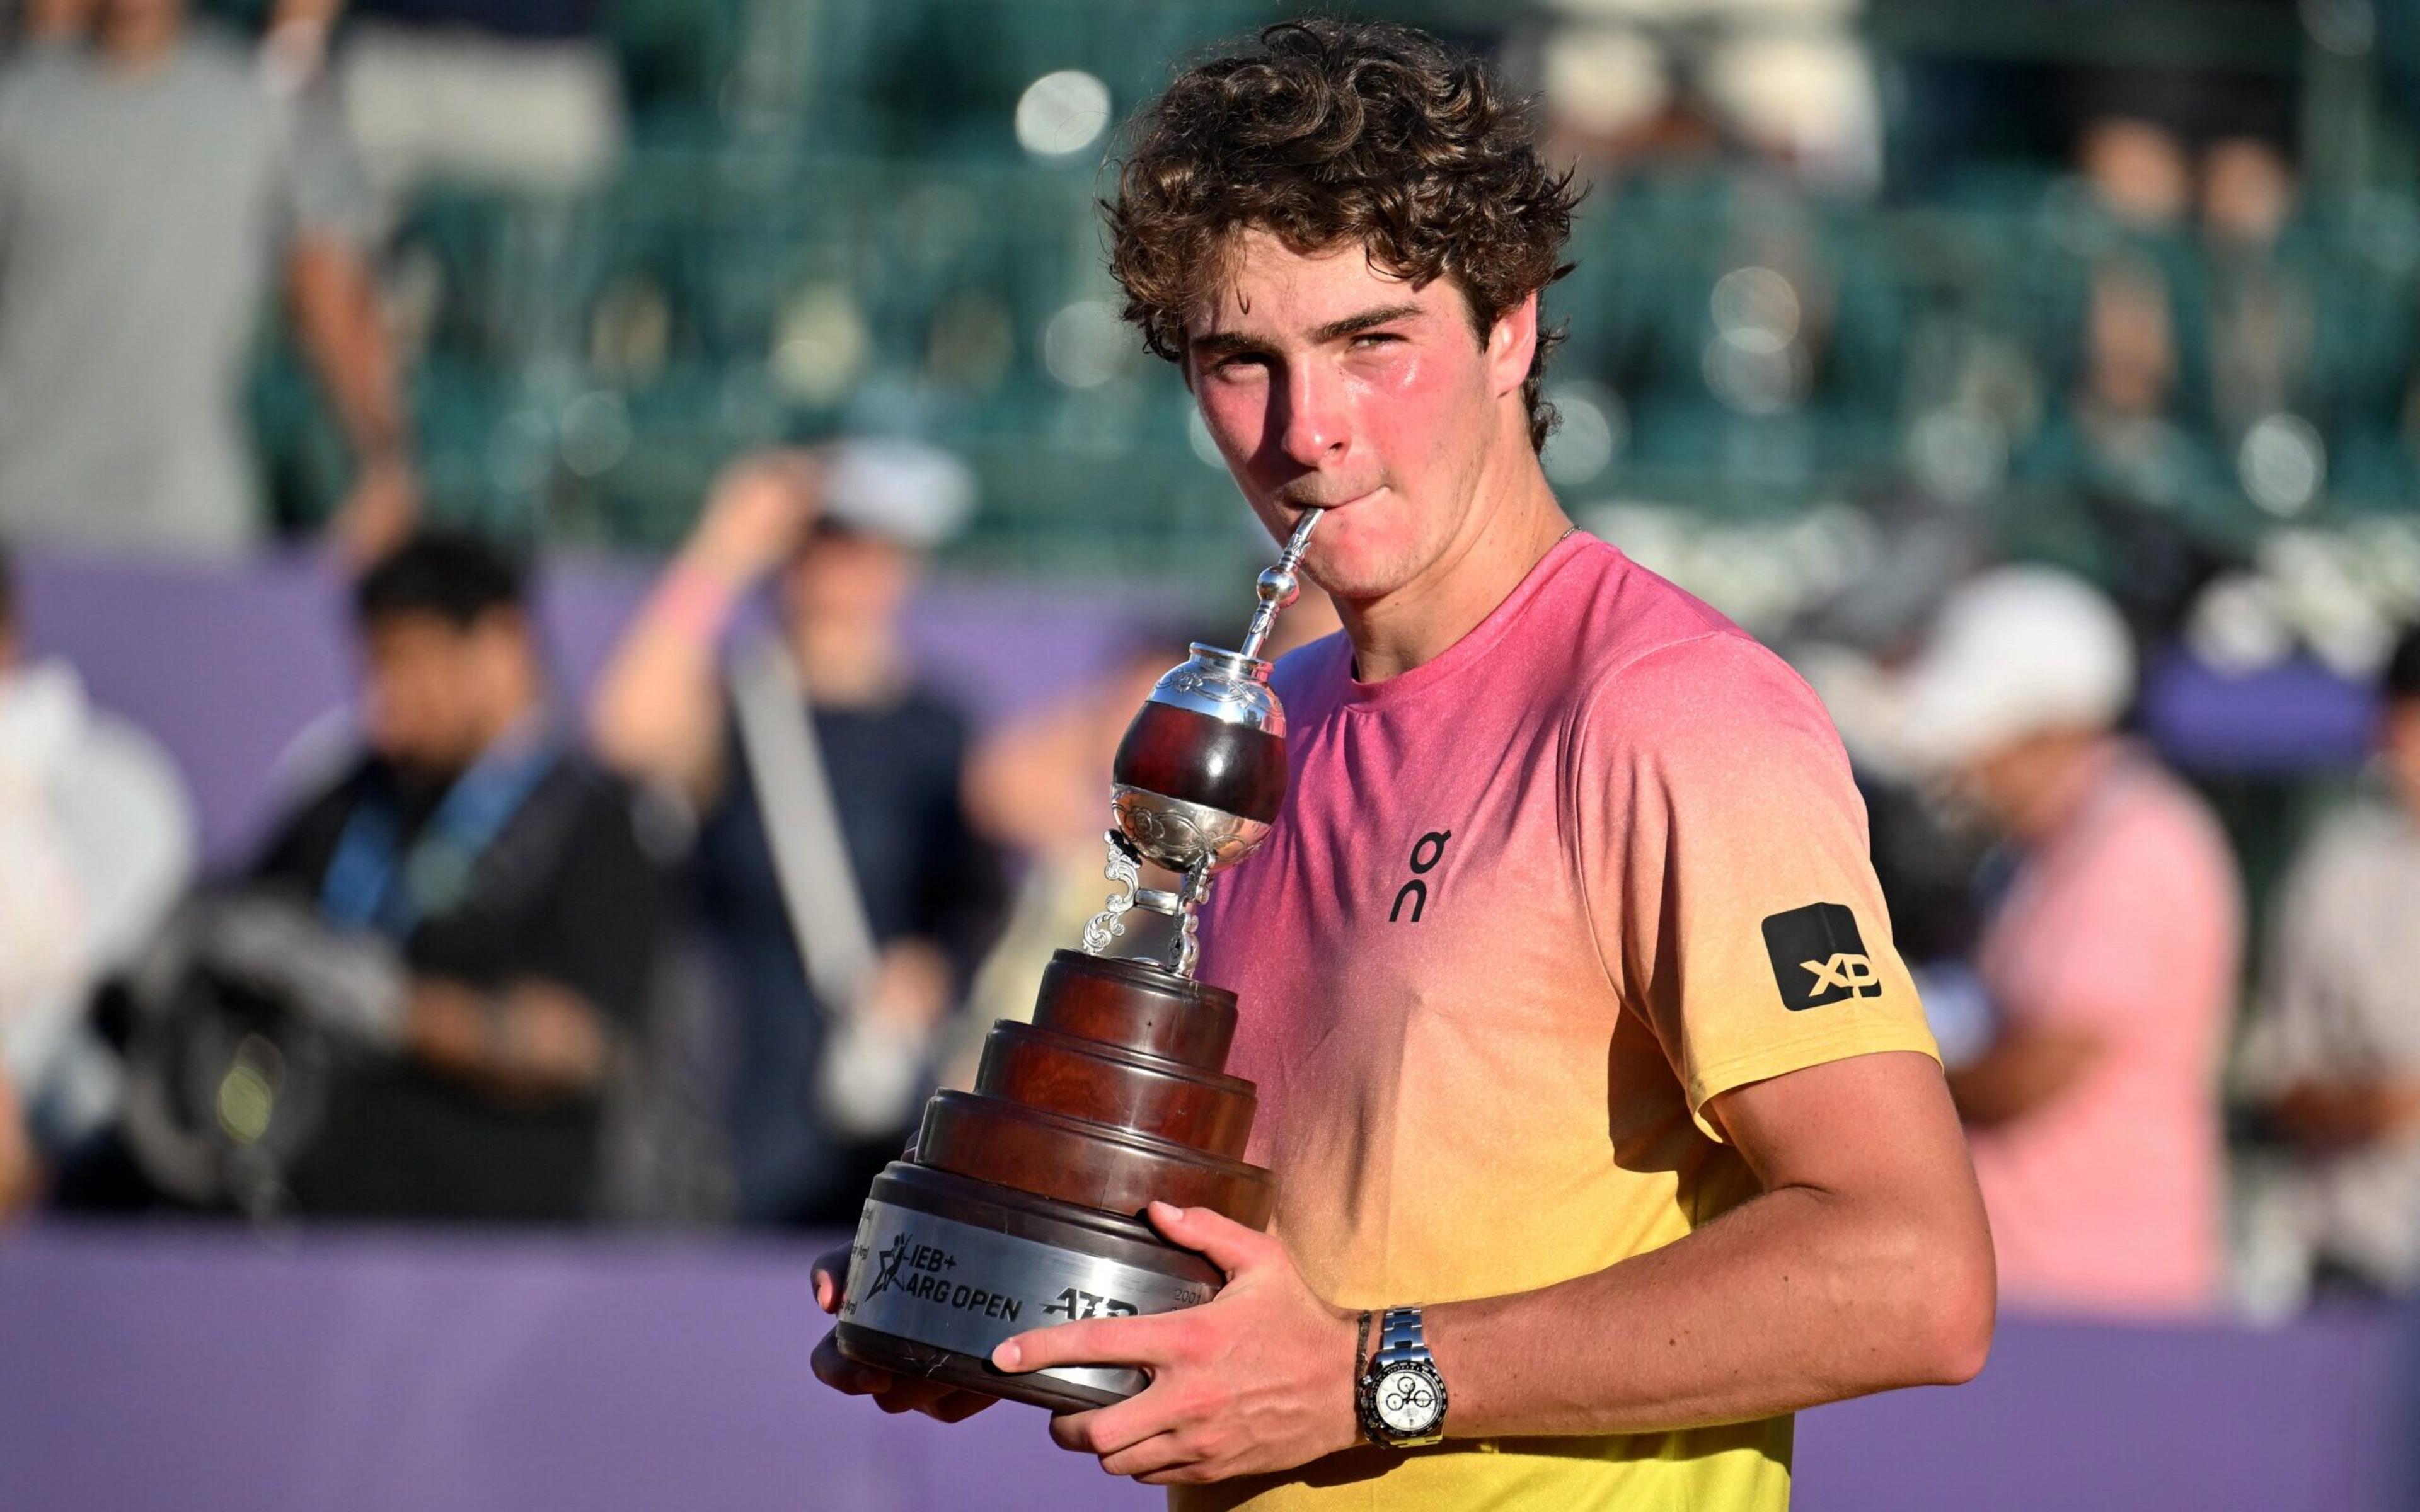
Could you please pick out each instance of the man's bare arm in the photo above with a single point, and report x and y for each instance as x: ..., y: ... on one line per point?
x: 530, y: 1043
x: 342, y: 331
x: 656, y: 712
x: 2338, y: 1113
x: 1866, y: 1264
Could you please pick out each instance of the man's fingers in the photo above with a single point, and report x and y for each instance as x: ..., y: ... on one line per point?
x: 931, y: 1398
x: 1222, y: 1240
x: 1108, y: 1430
x: 958, y: 1406
x: 1160, y: 1452
x: 892, y: 1393
x: 832, y: 1278
x: 1137, y: 1341
x: 841, y: 1373
x: 1072, y: 1431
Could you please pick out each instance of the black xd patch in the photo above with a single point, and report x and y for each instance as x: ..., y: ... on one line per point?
x: 1818, y: 957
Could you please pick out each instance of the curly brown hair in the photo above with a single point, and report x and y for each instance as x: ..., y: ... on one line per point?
x: 1328, y: 132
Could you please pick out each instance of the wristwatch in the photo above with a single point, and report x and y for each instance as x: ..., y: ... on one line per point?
x: 1402, y: 1395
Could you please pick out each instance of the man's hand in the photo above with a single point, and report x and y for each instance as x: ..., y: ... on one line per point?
x: 379, y: 511
x: 757, y: 514
x: 890, y: 1393
x: 20, y: 1172
x: 2326, y: 1116
x: 1260, y: 1378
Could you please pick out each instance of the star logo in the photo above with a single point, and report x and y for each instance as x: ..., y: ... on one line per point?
x: 886, y: 1272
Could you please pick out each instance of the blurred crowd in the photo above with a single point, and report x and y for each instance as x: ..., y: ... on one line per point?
x: 691, y: 944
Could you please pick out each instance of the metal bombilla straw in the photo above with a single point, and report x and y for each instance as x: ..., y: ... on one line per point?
x: 1278, y: 586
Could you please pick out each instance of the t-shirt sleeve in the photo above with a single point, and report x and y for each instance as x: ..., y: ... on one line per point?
x: 1727, y: 872
x: 320, y: 188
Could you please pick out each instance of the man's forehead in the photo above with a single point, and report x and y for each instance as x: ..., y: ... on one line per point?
x: 1267, y: 287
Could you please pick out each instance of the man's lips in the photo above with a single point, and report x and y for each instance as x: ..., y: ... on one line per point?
x: 1297, y: 505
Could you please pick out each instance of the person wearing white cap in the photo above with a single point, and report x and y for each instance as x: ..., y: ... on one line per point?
x: 2110, y: 957
x: 843, y: 887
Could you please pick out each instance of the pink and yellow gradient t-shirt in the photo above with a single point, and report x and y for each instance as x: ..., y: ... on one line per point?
x: 1530, y: 906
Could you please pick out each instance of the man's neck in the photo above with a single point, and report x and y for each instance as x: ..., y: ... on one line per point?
x: 1516, y: 524
x: 849, y: 665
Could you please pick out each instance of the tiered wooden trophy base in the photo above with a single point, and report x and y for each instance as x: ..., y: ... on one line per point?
x: 1020, y: 1204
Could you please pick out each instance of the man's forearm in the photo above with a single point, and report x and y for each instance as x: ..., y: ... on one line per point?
x: 1796, y: 1298
x: 527, y: 1043
x: 336, y: 312
x: 656, y: 712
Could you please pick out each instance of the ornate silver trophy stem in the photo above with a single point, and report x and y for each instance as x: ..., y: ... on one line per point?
x: 1189, y: 836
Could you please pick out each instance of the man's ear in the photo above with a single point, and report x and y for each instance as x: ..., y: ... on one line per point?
x: 1511, y: 342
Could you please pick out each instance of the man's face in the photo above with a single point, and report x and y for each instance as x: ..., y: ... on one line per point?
x: 850, y: 578
x: 2017, y: 784
x: 1326, y: 382
x: 434, y: 694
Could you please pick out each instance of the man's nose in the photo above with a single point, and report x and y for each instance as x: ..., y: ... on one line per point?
x: 1316, y: 429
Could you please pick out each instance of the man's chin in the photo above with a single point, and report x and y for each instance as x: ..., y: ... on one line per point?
x: 1356, y: 582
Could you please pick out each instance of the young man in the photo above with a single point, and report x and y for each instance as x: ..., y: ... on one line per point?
x: 2333, y: 1055
x: 151, y: 197
x: 510, y: 875
x: 823, y: 1087
x: 1584, y: 1058
x: 2109, y: 958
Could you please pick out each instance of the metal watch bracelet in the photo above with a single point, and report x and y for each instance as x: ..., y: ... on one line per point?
x: 1401, y: 1398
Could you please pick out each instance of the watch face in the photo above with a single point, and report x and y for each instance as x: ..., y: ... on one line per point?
x: 1408, y: 1402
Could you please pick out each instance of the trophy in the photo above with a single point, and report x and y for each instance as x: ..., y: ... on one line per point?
x: 1020, y: 1203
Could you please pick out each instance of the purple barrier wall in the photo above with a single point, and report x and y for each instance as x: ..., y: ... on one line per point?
x: 227, y: 666
x: 198, y: 1369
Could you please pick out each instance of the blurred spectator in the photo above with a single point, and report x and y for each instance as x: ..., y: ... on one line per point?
x: 147, y: 187
x: 97, y: 841
x: 2333, y: 1051
x: 2120, y: 408
x: 2137, y: 172
x: 464, y: 928
x: 518, y: 95
x: 2261, y: 316
x: 1790, y: 88
x: 2109, y: 958
x: 838, y: 869
x: 516, y: 878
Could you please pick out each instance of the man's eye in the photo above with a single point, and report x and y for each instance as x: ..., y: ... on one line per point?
x: 1240, y: 364
x: 1375, y: 338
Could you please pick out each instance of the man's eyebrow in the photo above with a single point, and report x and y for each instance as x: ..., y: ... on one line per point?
x: 1353, y: 325
x: 1223, y: 344
x: 1217, y: 344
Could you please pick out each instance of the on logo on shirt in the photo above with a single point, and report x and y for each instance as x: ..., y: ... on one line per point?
x: 1416, y: 891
